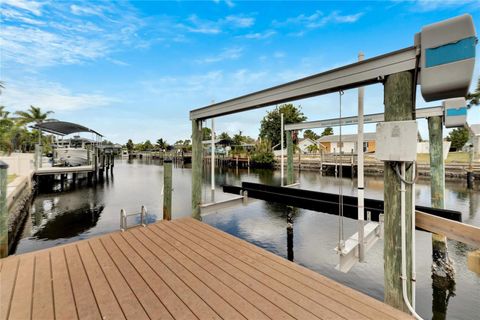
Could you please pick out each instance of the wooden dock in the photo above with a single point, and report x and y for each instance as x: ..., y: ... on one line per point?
x: 181, y: 269
x: 63, y: 170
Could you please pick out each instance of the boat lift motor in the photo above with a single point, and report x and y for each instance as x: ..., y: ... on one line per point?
x: 455, y: 112
x: 447, y: 58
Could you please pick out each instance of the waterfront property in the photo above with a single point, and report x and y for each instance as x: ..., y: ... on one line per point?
x: 182, y: 269
x: 349, y: 143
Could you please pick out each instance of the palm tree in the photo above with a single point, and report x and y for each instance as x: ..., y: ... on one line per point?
x: 3, y: 113
x: 474, y: 98
x: 33, y: 115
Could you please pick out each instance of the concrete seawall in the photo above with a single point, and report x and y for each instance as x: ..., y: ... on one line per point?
x: 19, y: 192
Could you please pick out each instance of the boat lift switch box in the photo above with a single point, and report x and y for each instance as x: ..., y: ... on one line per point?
x: 396, y: 141
x: 455, y: 112
x: 447, y: 58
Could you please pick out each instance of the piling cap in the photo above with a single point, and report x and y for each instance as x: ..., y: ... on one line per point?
x: 3, y: 165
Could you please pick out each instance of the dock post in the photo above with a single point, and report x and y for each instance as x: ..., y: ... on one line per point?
x: 95, y: 163
x: 321, y: 160
x: 441, y: 264
x: 3, y: 210
x: 197, y: 167
x: 112, y: 164
x: 398, y: 106
x: 167, y: 190
x: 299, y: 160
x: 290, y: 177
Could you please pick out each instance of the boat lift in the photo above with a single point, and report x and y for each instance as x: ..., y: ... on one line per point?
x: 358, y: 244
x: 442, y: 60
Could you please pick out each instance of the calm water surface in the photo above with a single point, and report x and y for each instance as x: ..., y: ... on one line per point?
x: 61, y: 215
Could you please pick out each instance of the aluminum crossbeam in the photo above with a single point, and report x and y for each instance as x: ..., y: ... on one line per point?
x: 369, y: 118
x: 347, y: 77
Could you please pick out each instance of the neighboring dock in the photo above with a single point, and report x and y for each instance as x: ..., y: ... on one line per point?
x: 181, y: 269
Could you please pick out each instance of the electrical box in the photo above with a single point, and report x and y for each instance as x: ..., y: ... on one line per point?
x: 455, y: 112
x: 447, y: 58
x: 396, y: 141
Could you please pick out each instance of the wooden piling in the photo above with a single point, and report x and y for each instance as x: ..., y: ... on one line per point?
x: 3, y: 210
x: 197, y: 167
x: 398, y: 106
x: 290, y: 175
x: 442, y: 265
x: 167, y: 190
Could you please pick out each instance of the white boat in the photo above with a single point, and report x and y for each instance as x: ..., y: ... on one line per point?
x: 71, y: 157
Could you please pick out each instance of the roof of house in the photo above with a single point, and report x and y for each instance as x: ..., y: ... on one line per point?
x: 306, y: 139
x: 367, y: 136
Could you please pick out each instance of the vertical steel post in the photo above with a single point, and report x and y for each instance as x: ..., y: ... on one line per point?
x: 282, y: 167
x: 290, y: 175
x: 360, y: 174
x: 212, y: 156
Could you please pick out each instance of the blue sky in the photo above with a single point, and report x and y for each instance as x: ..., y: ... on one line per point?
x: 135, y: 69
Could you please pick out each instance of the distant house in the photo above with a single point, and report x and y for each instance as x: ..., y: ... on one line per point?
x: 349, y: 143
x: 304, y: 143
x: 474, y: 140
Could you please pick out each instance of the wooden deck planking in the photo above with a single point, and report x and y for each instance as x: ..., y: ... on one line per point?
x: 227, y: 293
x: 220, y: 306
x: 182, y: 269
x: 63, y: 299
x: 42, y: 305
x: 244, y: 290
x: 183, y: 291
x: 293, y: 294
x: 129, y: 303
x: 351, y: 297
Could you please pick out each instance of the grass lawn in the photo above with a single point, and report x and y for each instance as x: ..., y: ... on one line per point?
x: 10, y: 178
x: 459, y: 157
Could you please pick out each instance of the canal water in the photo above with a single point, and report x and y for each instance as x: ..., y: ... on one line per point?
x: 61, y: 214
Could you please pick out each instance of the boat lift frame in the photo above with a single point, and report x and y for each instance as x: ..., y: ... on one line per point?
x: 359, y: 243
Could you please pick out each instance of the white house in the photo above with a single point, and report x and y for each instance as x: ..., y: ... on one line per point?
x: 475, y: 139
x: 349, y: 143
x: 304, y: 143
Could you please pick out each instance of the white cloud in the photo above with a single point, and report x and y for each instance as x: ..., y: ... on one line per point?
x: 197, y: 25
x: 279, y: 54
x: 260, y: 35
x: 229, y: 3
x: 430, y: 5
x: 32, y: 42
x: 30, y: 6
x: 49, y: 96
x: 239, y: 21
x: 86, y: 10
x: 319, y: 19
x: 226, y: 54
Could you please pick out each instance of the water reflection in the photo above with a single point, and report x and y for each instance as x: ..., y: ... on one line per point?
x: 67, y: 224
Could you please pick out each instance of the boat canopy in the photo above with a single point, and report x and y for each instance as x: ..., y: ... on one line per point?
x: 63, y: 128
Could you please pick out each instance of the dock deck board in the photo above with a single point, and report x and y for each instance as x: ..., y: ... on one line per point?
x: 181, y: 269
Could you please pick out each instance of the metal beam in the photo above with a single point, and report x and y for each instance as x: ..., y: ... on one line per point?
x: 347, y: 77
x: 369, y: 118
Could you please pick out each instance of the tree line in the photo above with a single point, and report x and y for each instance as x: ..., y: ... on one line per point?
x: 14, y: 132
